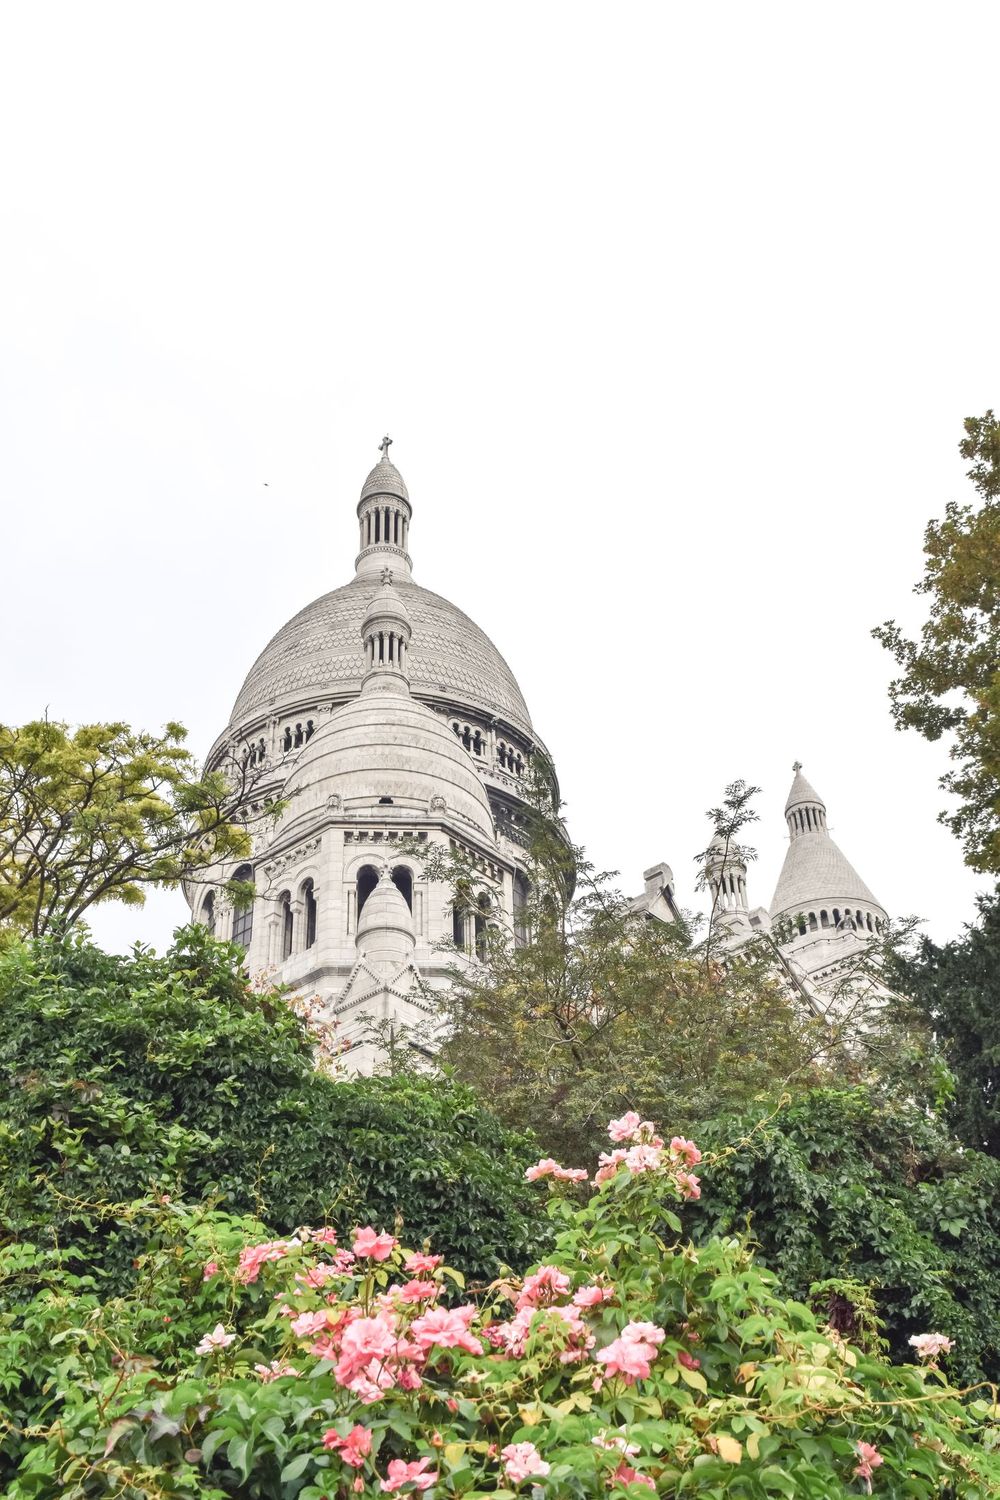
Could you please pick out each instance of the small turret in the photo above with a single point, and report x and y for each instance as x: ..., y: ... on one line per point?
x: 385, y: 935
x: 727, y: 876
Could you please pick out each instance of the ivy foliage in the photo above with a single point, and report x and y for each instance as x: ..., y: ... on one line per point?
x: 123, y: 1077
x: 839, y: 1184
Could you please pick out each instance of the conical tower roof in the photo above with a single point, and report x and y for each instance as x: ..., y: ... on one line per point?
x: 816, y: 873
x: 385, y: 479
x: 801, y: 791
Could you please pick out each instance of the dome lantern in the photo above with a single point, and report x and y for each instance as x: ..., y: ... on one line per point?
x: 384, y: 513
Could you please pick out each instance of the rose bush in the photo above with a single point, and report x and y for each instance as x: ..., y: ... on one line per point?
x: 318, y: 1367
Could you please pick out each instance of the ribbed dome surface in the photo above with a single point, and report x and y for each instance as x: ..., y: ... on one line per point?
x: 816, y: 872
x: 385, y: 479
x: 319, y: 653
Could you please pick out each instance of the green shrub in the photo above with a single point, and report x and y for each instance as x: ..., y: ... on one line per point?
x: 839, y: 1184
x: 632, y: 1362
x: 126, y: 1077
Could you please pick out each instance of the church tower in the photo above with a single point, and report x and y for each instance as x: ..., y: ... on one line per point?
x: 822, y: 912
x: 390, y: 726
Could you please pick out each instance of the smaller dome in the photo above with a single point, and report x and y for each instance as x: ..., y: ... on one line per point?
x: 385, y: 479
x: 386, y: 746
x: 386, y: 605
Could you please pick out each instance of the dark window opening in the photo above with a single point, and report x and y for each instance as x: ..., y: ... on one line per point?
x: 287, y: 924
x: 367, y: 881
x: 208, y: 912
x: 309, y: 897
x: 402, y: 879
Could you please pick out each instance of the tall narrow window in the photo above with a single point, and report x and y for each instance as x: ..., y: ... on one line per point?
x: 287, y: 924
x: 309, y: 901
x: 208, y: 912
x: 367, y: 881
x: 243, y: 915
x: 484, y: 907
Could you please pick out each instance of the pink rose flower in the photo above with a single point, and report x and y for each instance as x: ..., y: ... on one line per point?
x: 627, y: 1358
x: 275, y: 1370
x: 446, y: 1327
x: 418, y: 1291
x: 592, y: 1296
x: 419, y: 1264
x: 543, y: 1286
x: 352, y: 1449
x: 401, y: 1473
x: 214, y: 1341
x: 689, y: 1184
x: 870, y: 1459
x: 687, y: 1149
x: 211, y: 1269
x: 373, y: 1246
x: 643, y: 1333
x: 624, y: 1475
x: 523, y: 1461
x: 625, y: 1128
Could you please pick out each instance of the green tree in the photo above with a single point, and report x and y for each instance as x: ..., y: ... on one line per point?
x: 103, y: 811
x: 846, y: 1186
x: 950, y: 682
x: 122, y: 1078
x: 956, y: 987
x: 591, y: 1007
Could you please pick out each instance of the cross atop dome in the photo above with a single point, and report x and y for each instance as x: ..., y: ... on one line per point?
x: 384, y: 447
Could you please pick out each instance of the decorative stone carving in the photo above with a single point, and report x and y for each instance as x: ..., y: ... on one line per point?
x: 296, y: 856
x: 438, y: 804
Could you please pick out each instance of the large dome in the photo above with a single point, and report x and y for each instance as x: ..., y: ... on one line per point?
x: 318, y: 653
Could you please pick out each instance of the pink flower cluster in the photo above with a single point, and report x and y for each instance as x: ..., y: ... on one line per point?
x: 645, y: 1151
x: 548, y: 1167
x: 631, y: 1354
x: 416, y: 1473
x: 372, y: 1246
x: 252, y: 1257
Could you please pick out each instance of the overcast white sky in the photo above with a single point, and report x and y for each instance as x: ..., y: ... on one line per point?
x: 673, y: 313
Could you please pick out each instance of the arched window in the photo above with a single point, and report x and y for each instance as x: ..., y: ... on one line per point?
x: 868, y: 921
x: 402, y: 879
x: 457, y: 925
x: 309, y: 901
x: 824, y: 919
x: 208, y: 912
x: 243, y: 915
x: 310, y: 729
x: 367, y: 881
x: 287, y: 924
x: 802, y: 926
x: 836, y: 917
x: 286, y: 740
x: 813, y: 924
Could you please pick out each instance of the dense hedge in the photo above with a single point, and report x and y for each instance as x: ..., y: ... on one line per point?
x: 125, y: 1076
x: 841, y: 1184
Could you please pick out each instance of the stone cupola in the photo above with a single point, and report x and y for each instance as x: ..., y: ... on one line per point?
x: 384, y: 513
x: 385, y: 635
x: 385, y: 936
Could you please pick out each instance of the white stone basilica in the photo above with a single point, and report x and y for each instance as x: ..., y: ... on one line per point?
x: 387, y: 722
